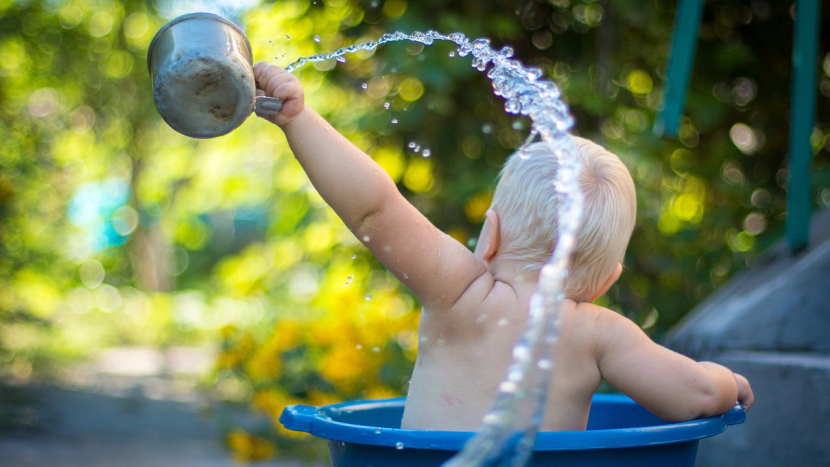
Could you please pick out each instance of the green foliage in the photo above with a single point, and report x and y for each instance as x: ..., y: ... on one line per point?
x: 177, y: 238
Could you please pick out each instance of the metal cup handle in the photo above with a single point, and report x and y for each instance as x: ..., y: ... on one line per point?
x: 267, y: 105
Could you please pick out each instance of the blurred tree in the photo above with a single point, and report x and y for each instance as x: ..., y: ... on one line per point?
x: 120, y: 230
x: 709, y: 201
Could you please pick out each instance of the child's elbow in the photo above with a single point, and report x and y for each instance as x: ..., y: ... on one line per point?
x: 717, y: 391
x: 712, y: 406
x: 713, y: 400
x: 703, y: 402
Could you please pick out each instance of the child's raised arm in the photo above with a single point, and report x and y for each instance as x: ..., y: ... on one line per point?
x: 435, y: 267
x: 670, y: 385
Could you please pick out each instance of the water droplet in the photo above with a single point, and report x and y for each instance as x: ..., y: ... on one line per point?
x: 366, y: 238
x: 341, y: 59
x: 521, y: 353
x: 350, y: 278
x: 375, y: 349
x: 508, y: 387
x: 364, y: 86
x: 426, y: 153
x: 316, y: 37
x: 354, y: 256
x: 287, y: 37
x: 394, y: 121
x: 487, y: 128
x: 377, y: 431
x: 517, y: 125
x: 368, y: 296
x: 270, y: 42
x: 399, y: 445
x: 452, y: 53
x: 412, y: 145
x: 386, y: 105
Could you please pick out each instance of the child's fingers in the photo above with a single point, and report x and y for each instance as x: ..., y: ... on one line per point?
x: 274, y: 86
x: 263, y: 71
x: 269, y: 78
x: 273, y: 81
x: 745, y: 394
x: 263, y: 68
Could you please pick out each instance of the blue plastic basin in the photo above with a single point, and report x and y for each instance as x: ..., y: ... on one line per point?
x: 620, y: 433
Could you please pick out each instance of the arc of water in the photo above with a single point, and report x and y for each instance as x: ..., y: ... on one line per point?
x: 504, y: 438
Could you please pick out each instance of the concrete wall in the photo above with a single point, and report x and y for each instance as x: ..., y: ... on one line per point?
x: 789, y: 425
x: 772, y: 325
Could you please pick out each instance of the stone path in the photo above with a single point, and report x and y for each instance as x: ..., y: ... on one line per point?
x: 108, y: 417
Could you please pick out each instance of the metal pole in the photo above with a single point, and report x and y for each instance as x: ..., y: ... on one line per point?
x: 802, y: 114
x: 679, y: 69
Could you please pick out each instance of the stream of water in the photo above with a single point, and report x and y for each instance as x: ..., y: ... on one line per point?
x: 506, y: 437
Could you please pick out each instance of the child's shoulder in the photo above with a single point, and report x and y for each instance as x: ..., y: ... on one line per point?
x: 487, y: 304
x: 592, y: 322
x: 606, y: 330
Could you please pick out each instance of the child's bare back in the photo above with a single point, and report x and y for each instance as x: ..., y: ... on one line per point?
x: 475, y: 304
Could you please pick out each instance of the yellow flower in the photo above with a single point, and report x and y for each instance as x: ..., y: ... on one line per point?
x: 287, y: 335
x: 265, y: 364
x: 317, y: 398
x: 273, y: 402
x: 334, y: 332
x: 245, y: 344
x: 380, y: 391
x: 227, y: 331
x: 227, y: 360
x: 247, y: 447
x: 269, y: 401
x: 349, y: 367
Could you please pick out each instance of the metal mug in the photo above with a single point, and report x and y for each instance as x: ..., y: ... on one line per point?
x: 202, y: 70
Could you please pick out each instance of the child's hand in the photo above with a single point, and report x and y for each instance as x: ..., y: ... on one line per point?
x: 273, y: 81
x: 745, y: 396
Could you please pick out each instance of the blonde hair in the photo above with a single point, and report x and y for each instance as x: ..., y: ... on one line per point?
x: 528, y: 211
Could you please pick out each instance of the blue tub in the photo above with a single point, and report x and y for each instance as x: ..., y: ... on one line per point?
x: 620, y: 433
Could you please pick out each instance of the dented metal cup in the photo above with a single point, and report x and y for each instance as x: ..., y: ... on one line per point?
x: 202, y: 70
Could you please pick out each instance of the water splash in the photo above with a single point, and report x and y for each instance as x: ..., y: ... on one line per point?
x: 505, y: 438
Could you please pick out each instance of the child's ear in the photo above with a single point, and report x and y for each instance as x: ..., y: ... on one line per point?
x: 493, y: 236
x: 608, y: 283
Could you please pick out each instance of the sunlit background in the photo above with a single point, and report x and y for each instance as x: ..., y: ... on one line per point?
x: 116, y: 232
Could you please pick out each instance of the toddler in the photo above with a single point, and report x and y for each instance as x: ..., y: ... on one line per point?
x: 475, y: 304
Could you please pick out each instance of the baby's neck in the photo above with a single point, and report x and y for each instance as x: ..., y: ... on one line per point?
x: 512, y: 272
